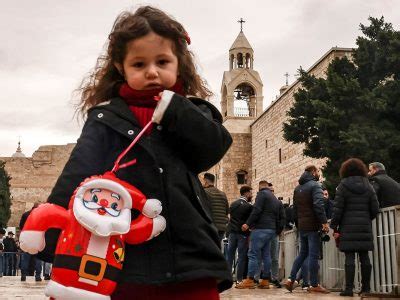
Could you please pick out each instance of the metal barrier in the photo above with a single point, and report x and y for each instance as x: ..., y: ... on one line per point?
x: 288, y: 251
x: 331, y: 269
x: 384, y: 258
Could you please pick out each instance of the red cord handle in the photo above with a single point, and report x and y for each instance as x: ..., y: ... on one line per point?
x: 117, y: 166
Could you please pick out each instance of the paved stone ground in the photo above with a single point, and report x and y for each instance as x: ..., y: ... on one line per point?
x: 13, y: 288
x: 274, y: 293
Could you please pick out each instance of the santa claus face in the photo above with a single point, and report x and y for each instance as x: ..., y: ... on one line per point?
x: 103, y: 201
x: 101, y: 211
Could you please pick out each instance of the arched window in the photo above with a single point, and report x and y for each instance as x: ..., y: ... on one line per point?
x: 241, y: 104
x: 241, y: 177
x: 240, y: 60
x: 248, y: 60
x: 231, y: 60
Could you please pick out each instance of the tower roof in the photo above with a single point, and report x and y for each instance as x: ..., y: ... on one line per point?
x: 241, y: 42
x: 18, y: 153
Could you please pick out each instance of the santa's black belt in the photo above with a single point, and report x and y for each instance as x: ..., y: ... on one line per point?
x: 88, y: 266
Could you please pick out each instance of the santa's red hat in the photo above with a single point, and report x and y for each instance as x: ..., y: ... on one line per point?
x: 110, y: 182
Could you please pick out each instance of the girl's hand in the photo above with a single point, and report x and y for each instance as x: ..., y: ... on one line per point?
x: 336, y: 235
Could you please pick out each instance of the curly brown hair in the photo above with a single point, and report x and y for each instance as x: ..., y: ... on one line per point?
x: 100, y: 85
x: 353, y: 167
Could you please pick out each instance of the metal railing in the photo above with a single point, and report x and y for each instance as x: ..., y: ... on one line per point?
x: 289, y: 249
x: 384, y: 258
x: 243, y: 112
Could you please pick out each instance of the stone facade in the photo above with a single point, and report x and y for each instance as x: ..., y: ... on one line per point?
x: 236, y: 160
x: 241, y: 103
x: 32, y: 178
x: 273, y: 158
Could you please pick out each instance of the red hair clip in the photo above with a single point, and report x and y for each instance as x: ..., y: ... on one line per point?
x: 187, y: 38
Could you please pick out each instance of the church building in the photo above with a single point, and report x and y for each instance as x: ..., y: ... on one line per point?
x: 259, y: 151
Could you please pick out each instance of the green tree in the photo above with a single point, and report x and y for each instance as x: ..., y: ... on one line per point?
x: 355, y: 111
x: 5, y: 196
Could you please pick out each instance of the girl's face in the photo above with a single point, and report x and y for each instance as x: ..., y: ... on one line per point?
x: 150, y: 63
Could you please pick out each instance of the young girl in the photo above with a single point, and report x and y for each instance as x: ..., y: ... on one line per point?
x: 148, y: 57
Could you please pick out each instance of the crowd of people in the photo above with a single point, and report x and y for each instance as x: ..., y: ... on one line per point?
x: 14, y: 261
x: 252, y: 230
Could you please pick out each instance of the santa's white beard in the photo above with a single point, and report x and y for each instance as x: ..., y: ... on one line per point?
x: 102, y: 225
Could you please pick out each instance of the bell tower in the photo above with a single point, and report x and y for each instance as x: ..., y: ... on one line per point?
x: 241, y: 89
x: 241, y: 104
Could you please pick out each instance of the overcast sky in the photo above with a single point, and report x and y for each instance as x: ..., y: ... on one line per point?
x: 48, y: 46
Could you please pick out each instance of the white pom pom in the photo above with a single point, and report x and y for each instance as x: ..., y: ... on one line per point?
x: 32, y: 241
x: 159, y: 224
x: 152, y: 208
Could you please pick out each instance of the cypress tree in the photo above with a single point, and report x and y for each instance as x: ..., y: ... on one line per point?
x: 5, y: 196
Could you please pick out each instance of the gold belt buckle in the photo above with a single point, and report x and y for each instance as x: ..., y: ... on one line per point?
x: 94, y: 259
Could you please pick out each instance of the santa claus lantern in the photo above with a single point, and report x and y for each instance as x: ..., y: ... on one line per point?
x: 94, y: 229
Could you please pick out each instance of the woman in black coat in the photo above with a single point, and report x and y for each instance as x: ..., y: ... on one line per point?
x: 355, y: 206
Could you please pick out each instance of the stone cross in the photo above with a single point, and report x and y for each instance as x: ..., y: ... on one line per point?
x: 241, y: 21
x: 287, y: 76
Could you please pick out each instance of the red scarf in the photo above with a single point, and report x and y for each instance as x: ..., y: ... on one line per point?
x: 142, y: 103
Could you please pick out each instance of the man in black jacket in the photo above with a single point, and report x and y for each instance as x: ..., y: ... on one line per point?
x: 263, y: 221
x: 309, y: 211
x: 10, y: 254
x: 218, y: 203
x: 239, y: 211
x: 289, y: 214
x: 328, y: 203
x: 386, y: 188
x: 280, y: 225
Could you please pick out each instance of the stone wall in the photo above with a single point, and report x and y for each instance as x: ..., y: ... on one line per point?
x: 237, y: 158
x: 32, y: 178
x: 274, y: 159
